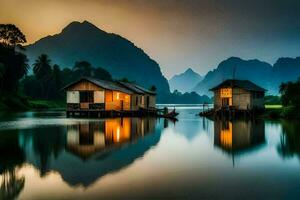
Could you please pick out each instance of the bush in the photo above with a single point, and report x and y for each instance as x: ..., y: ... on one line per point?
x: 290, y: 112
x: 15, y: 103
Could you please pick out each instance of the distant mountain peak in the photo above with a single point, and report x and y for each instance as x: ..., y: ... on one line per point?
x: 76, y: 26
x: 189, y: 71
x: 85, y: 41
x: 185, y: 81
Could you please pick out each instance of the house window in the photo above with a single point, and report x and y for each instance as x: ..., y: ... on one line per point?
x: 136, y: 100
x: 87, y: 96
x: 118, y: 95
x: 226, y: 92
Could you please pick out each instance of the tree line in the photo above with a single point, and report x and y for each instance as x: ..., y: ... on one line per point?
x: 290, y: 98
x: 47, y: 79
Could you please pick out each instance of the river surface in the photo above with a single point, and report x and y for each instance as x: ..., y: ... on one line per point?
x: 44, y: 155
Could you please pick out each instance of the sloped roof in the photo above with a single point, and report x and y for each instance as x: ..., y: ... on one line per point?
x: 145, y: 90
x: 128, y: 88
x: 244, y: 84
x: 136, y: 88
x: 109, y: 85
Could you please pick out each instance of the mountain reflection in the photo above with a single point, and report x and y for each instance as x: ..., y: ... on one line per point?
x: 238, y: 136
x: 81, y: 153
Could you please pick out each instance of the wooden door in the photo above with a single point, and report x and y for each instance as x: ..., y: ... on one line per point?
x: 225, y: 102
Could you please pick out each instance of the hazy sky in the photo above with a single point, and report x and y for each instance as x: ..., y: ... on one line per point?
x: 176, y: 33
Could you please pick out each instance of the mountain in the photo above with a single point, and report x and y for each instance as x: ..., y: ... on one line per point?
x: 84, y: 41
x: 185, y: 81
x: 259, y: 72
x: 286, y: 69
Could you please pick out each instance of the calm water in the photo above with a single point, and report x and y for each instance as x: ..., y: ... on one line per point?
x: 46, y: 156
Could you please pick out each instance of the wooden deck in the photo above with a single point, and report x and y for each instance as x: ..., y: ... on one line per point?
x: 94, y: 113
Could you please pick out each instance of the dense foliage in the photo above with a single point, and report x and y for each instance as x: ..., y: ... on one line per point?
x: 48, y: 80
x: 272, y: 100
x: 13, y: 63
x: 290, y: 97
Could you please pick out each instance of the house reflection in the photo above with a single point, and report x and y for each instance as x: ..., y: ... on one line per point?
x: 238, y: 136
x: 87, y: 139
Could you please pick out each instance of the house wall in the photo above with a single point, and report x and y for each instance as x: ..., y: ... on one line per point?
x: 99, y: 97
x: 241, y: 99
x: 115, y: 99
x: 142, y: 101
x: 152, y: 101
x: 83, y: 86
x: 217, y: 99
x: 137, y: 101
x: 258, y: 103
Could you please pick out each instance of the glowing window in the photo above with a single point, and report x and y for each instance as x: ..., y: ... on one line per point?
x: 118, y: 95
x: 226, y: 92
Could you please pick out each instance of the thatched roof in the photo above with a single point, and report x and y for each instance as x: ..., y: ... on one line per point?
x: 244, y: 84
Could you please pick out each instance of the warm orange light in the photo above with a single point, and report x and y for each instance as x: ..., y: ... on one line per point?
x: 226, y: 92
x: 118, y: 95
x: 226, y: 136
x: 118, y: 130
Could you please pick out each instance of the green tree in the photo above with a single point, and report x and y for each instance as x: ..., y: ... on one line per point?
x: 14, y: 63
x: 42, y: 71
x: 290, y: 94
x: 10, y: 35
x: 82, y: 68
x: 57, y: 82
x: 153, y: 88
x: 101, y: 73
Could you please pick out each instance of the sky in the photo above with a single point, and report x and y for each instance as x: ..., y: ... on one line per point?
x: 178, y: 34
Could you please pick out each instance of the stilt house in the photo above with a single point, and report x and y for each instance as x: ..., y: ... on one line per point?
x: 89, y: 94
x: 238, y: 94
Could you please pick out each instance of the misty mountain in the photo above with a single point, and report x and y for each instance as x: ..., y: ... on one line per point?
x: 84, y: 41
x: 259, y: 72
x: 185, y: 81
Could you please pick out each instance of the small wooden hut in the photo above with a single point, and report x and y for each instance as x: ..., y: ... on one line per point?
x: 238, y: 94
x: 92, y: 95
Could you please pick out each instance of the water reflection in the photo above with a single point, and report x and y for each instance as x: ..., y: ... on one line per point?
x: 289, y: 145
x: 105, y: 159
x: 239, y: 136
x: 81, y: 152
x: 87, y: 139
x: 11, y: 156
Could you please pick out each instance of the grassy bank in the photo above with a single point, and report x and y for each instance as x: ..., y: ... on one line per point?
x: 21, y: 103
x: 278, y: 111
x: 45, y: 104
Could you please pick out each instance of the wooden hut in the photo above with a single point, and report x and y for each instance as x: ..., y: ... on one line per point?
x: 238, y: 94
x: 94, y: 95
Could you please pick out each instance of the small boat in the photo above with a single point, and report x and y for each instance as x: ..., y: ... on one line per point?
x: 173, y: 114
